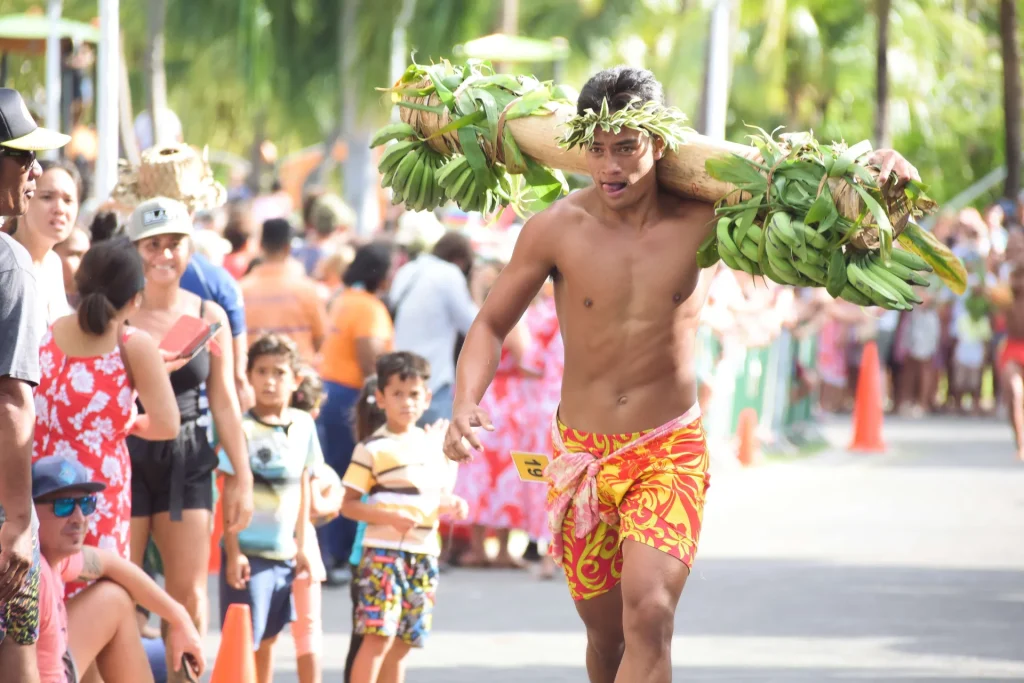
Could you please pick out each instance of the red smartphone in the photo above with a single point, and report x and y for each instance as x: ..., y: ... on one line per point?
x: 188, y: 336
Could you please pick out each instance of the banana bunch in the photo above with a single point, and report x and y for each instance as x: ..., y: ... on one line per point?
x: 464, y: 187
x: 409, y: 167
x: 870, y: 282
x: 789, y: 252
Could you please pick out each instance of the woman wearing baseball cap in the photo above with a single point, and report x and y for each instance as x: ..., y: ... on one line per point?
x: 172, y: 483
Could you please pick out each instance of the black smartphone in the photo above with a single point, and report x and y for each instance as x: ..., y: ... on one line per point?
x: 190, y: 351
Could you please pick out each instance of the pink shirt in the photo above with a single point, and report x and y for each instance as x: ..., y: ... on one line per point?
x: 53, y: 618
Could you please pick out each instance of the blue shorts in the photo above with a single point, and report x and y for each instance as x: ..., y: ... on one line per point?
x: 268, y: 595
x: 396, y: 595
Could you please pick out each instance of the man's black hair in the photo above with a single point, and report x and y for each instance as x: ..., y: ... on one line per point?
x: 403, y: 365
x: 371, y: 266
x: 619, y: 85
x: 277, y: 236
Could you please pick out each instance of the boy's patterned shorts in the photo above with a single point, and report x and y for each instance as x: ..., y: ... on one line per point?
x: 396, y: 594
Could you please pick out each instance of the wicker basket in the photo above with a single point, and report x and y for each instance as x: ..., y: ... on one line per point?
x: 176, y: 171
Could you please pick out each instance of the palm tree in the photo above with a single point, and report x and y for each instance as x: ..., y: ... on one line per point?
x: 882, y: 75
x: 156, y: 77
x: 1011, y: 95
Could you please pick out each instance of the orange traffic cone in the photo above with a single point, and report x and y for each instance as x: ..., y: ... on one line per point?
x: 746, y: 433
x: 867, y: 408
x: 236, y: 659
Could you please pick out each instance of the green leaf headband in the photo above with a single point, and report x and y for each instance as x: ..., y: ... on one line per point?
x: 667, y: 123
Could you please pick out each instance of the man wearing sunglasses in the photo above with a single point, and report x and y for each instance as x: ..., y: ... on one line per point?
x: 97, y: 626
x: 21, y: 327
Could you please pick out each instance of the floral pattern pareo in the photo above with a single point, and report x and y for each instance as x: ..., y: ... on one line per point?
x: 85, y: 408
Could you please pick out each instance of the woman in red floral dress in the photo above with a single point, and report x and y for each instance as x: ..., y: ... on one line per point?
x: 91, y: 366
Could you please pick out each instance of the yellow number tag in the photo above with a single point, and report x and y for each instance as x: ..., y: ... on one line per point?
x: 530, y: 465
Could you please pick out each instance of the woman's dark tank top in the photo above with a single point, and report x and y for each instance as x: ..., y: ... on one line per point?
x: 188, y: 380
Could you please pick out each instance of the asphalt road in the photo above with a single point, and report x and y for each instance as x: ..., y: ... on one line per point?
x: 897, y: 567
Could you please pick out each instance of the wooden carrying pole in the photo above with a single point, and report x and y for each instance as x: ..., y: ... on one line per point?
x: 681, y: 172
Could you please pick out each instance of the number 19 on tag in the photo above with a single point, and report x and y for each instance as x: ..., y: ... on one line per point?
x: 530, y: 465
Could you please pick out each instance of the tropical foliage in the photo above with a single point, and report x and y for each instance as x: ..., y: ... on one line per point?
x: 803, y: 64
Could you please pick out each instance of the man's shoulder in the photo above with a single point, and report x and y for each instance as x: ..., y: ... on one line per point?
x: 676, y: 208
x: 14, y: 257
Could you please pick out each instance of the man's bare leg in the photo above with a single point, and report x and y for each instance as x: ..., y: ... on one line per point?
x: 652, y: 582
x: 102, y: 629
x: 18, y: 662
x: 602, y: 617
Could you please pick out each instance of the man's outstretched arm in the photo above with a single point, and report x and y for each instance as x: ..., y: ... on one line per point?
x: 532, y: 260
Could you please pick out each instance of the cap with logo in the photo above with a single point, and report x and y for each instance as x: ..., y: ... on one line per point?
x: 159, y: 216
x: 54, y: 474
x: 18, y: 130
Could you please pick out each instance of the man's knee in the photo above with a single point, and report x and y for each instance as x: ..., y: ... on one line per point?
x: 113, y: 596
x: 648, y: 617
x: 605, y: 637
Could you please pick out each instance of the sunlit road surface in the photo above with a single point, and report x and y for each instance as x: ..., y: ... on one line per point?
x: 899, y: 567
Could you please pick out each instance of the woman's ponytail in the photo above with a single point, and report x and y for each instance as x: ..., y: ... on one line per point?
x: 95, y: 313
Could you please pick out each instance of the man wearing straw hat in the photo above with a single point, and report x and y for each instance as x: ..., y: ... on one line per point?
x: 21, y: 326
x: 629, y: 474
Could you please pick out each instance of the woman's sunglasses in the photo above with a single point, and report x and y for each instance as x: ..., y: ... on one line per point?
x: 65, y: 507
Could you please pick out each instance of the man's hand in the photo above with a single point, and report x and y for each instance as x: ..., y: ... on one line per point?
x: 183, y: 639
x: 237, y: 504
x: 15, y: 556
x: 238, y: 571
x: 460, y: 432
x: 404, y: 521
x: 889, y: 161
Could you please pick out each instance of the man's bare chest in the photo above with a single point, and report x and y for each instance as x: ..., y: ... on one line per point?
x: 622, y: 273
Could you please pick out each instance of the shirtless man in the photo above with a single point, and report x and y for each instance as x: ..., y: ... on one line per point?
x: 629, y: 294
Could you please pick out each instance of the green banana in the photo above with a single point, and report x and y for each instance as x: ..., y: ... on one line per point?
x: 782, y: 228
x: 910, y: 260
x: 426, y: 180
x: 749, y: 249
x: 392, y: 131
x: 726, y: 244
x: 811, y: 271
x: 875, y: 266
x: 853, y: 295
x: 871, y: 287
x: 811, y: 236
x: 451, y: 170
x: 405, y: 169
x: 414, y: 183
x: 455, y: 189
x: 728, y: 258
x: 836, y: 281
x: 394, y: 154
x: 707, y: 253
